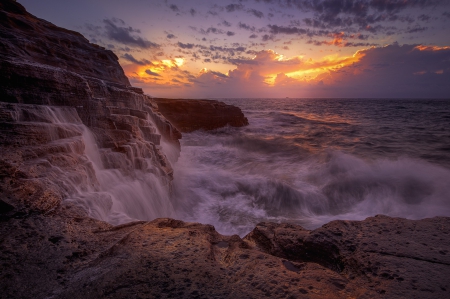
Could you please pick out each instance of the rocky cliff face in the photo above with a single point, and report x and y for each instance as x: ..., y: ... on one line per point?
x: 55, y: 84
x: 74, y: 138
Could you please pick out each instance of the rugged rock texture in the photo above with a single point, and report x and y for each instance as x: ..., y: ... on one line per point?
x: 43, y: 67
x: 191, y: 115
x: 64, y: 254
x: 50, y: 248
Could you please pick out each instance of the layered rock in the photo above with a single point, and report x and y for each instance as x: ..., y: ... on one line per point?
x: 191, y: 115
x: 44, y: 67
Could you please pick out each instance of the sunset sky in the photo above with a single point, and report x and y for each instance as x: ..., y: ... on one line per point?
x: 269, y: 48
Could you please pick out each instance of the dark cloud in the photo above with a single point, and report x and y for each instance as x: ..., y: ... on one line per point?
x: 275, y: 29
x: 226, y: 24
x: 446, y: 14
x: 267, y: 37
x: 243, y: 61
x: 170, y: 36
x: 424, y: 18
x: 416, y: 29
x: 398, y: 71
x: 357, y: 15
x: 219, y: 74
x: 234, y: 7
x: 193, y: 12
x: 211, y: 30
x: 149, y: 72
x: 253, y: 36
x: 230, y: 33
x: 246, y: 27
x: 185, y: 46
x: 229, y: 51
x: 130, y: 58
x: 256, y: 13
x: 126, y: 35
x: 174, y: 7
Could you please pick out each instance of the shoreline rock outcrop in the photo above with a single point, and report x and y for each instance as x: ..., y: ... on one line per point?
x: 188, y: 115
x: 65, y: 254
x: 54, y: 87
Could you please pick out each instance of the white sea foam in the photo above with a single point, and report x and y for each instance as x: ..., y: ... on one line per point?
x: 286, y: 168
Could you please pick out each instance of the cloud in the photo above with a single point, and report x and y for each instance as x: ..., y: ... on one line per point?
x: 256, y: 13
x: 358, y: 15
x: 126, y: 35
x: 416, y: 29
x: 246, y: 27
x: 407, y: 71
x: 185, y: 46
x: 130, y: 58
x: 230, y: 33
x: 193, y: 12
x: 424, y: 18
x: 234, y: 7
x: 173, y: 7
x: 149, y: 72
x: 253, y: 36
x: 226, y: 24
x: 275, y: 29
x: 396, y: 71
x: 170, y: 36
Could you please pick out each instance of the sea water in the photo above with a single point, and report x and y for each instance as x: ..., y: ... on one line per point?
x: 310, y: 161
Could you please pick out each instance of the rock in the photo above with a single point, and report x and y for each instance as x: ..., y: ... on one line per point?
x: 168, y: 258
x: 388, y: 256
x: 55, y: 85
x: 191, y: 115
x: 53, y: 81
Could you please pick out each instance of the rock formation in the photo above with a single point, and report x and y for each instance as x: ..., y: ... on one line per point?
x: 191, y: 115
x: 66, y: 108
x: 64, y: 254
x: 54, y: 82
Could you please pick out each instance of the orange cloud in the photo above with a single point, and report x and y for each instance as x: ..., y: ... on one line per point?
x: 431, y: 48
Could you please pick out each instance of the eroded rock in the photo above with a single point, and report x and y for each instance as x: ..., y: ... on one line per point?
x: 191, y: 115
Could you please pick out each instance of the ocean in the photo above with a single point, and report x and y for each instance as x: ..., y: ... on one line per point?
x: 311, y: 161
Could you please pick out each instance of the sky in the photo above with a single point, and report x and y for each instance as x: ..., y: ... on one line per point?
x: 269, y: 48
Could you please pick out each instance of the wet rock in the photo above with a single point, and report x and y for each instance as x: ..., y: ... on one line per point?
x: 191, y: 115
x: 53, y: 81
x: 389, y: 256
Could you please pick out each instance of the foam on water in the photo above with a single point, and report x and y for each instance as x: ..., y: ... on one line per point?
x: 297, y: 167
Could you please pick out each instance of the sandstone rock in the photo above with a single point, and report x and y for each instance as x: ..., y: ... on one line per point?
x: 191, y: 115
x: 393, y: 257
x: 64, y: 254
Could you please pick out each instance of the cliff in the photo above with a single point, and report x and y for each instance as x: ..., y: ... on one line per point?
x: 191, y: 115
x: 54, y: 85
x: 79, y: 145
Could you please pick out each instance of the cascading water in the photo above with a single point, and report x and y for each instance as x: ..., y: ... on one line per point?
x: 113, y: 195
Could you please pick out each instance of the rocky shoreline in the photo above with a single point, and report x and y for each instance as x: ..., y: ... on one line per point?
x: 55, y: 86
